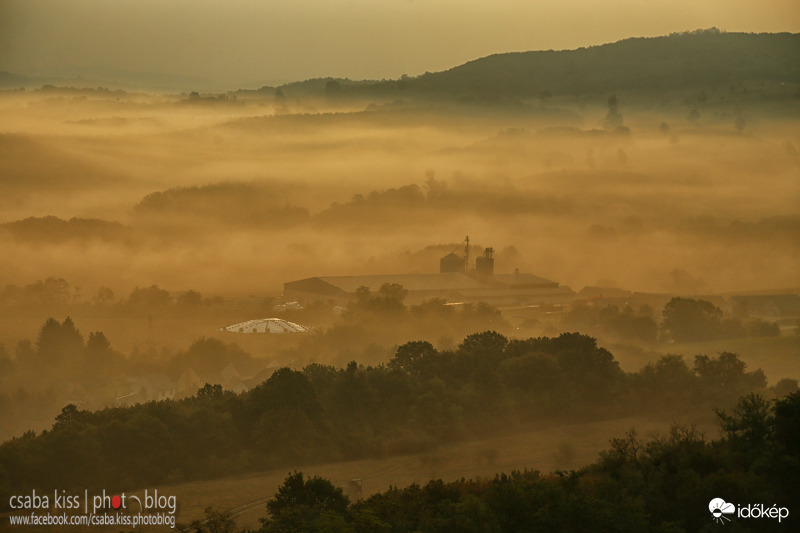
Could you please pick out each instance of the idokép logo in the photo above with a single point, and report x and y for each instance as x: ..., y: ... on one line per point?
x: 719, y: 508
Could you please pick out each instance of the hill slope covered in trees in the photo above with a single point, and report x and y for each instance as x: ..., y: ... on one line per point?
x: 671, y: 62
x: 679, y: 61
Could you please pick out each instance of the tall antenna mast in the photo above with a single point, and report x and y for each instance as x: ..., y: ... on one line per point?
x: 466, y: 254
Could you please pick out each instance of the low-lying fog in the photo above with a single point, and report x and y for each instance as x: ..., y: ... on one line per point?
x: 238, y: 195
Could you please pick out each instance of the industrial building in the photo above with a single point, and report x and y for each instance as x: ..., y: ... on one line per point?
x: 457, y: 281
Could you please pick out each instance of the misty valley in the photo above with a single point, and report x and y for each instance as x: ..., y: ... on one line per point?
x: 261, y: 302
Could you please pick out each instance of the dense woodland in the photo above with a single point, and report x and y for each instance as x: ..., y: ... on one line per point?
x: 677, y: 61
x: 422, y: 397
x: 62, y: 365
x: 660, y: 484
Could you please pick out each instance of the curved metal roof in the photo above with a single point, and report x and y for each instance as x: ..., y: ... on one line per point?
x: 266, y: 325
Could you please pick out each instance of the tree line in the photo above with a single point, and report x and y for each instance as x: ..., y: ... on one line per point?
x: 662, y: 484
x: 682, y: 320
x: 422, y: 397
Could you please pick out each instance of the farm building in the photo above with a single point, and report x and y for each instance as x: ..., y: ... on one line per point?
x: 455, y: 282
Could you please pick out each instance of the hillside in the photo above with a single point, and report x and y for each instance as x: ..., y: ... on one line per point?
x: 704, y: 58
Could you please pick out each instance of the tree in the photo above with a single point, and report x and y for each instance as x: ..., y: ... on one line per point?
x: 394, y: 291
x: 151, y: 297
x: 363, y: 295
x: 613, y: 119
x: 488, y: 343
x: 23, y: 351
x: 298, y: 489
x: 69, y: 415
x: 48, y: 339
x: 787, y: 422
x: 786, y: 437
x: 724, y: 379
x: 208, y: 356
x: 332, y: 88
x: 533, y: 372
x: 389, y: 299
x: 49, y: 293
x: 104, y: 295
x: 656, y: 382
x: 751, y: 422
x: 58, y: 343
x: 688, y: 320
x: 98, y: 346
x: 209, y: 392
x: 761, y: 328
x: 412, y: 356
x: 307, y: 504
x: 286, y: 388
x: 190, y: 299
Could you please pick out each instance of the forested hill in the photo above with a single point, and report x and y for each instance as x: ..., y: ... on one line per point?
x: 672, y: 62
x: 699, y: 59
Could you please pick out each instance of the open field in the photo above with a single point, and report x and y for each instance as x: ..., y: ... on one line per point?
x: 561, y: 447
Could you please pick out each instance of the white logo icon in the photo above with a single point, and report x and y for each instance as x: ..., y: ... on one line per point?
x: 719, y: 508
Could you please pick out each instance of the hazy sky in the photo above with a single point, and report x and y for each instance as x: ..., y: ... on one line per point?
x: 237, y: 42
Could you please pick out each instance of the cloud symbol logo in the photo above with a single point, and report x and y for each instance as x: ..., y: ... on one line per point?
x: 719, y: 508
